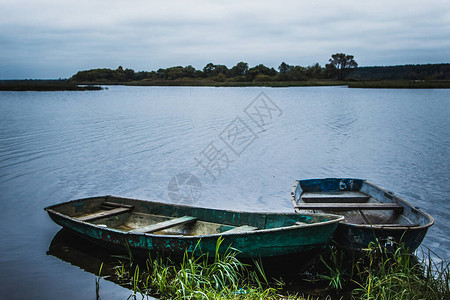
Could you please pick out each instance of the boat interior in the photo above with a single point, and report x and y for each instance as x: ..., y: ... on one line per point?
x: 122, y: 217
x: 137, y: 216
x: 357, y: 207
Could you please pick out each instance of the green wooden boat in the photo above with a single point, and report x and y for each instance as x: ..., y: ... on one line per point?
x: 171, y: 229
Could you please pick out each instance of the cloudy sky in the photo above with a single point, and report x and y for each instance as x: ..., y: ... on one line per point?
x: 55, y: 39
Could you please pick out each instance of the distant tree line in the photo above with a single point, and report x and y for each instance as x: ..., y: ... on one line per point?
x: 339, y: 65
x: 404, y: 72
x: 219, y: 73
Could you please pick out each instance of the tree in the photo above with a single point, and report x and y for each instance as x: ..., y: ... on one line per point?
x: 284, y: 68
x: 315, y: 71
x: 100, y: 75
x: 141, y: 75
x: 330, y: 71
x: 209, y: 69
x: 212, y: 69
x: 342, y: 63
x: 189, y: 71
x: 161, y: 73
x: 240, y: 69
x: 260, y: 70
x: 298, y: 73
x: 173, y: 73
x: 220, y: 69
x: 129, y: 74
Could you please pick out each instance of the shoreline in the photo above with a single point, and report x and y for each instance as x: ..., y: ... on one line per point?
x: 389, y: 84
x: 67, y: 85
x: 45, y: 86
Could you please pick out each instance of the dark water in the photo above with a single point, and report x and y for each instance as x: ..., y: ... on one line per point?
x: 131, y: 141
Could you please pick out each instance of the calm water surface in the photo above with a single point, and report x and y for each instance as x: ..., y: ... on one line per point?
x: 131, y: 141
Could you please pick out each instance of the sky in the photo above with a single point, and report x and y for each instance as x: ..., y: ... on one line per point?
x: 54, y: 39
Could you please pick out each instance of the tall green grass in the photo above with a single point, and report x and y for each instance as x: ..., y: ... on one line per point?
x: 220, y: 277
x: 376, y: 273
x: 383, y: 273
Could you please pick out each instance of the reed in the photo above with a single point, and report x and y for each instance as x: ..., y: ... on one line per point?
x: 97, y: 282
x: 381, y: 272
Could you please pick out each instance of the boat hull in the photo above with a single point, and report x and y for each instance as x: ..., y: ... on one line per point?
x: 408, y: 227
x: 354, y: 237
x: 271, y: 242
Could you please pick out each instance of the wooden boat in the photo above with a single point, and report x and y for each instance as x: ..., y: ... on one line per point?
x: 370, y: 212
x: 171, y: 229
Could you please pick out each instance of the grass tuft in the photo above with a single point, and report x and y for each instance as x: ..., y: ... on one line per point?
x: 384, y: 273
x: 221, y: 277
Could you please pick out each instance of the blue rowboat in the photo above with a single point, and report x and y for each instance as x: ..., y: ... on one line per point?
x: 370, y: 212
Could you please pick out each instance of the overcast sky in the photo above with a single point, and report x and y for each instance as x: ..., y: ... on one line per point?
x: 55, y: 39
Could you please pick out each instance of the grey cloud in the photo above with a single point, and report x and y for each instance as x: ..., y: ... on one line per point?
x: 56, y: 39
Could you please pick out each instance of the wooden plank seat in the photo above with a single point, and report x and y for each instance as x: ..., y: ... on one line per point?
x: 105, y: 213
x: 111, y: 205
x: 243, y: 228
x: 164, y: 225
x: 351, y: 206
x: 396, y: 225
x: 301, y: 223
x: 345, y: 197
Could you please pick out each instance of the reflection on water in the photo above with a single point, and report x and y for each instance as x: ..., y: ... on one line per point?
x: 131, y: 141
x: 89, y: 257
x: 75, y: 250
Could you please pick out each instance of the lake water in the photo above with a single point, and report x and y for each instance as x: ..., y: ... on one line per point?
x: 245, y: 148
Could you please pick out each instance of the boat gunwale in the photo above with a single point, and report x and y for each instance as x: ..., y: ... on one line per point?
x: 399, y: 200
x: 336, y: 219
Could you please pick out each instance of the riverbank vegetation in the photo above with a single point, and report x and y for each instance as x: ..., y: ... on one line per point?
x: 400, y: 84
x: 341, y: 69
x: 385, y: 273
x: 333, y: 74
x: 241, y: 74
x: 189, y: 82
x: 44, y: 85
x: 428, y: 72
x: 377, y: 273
